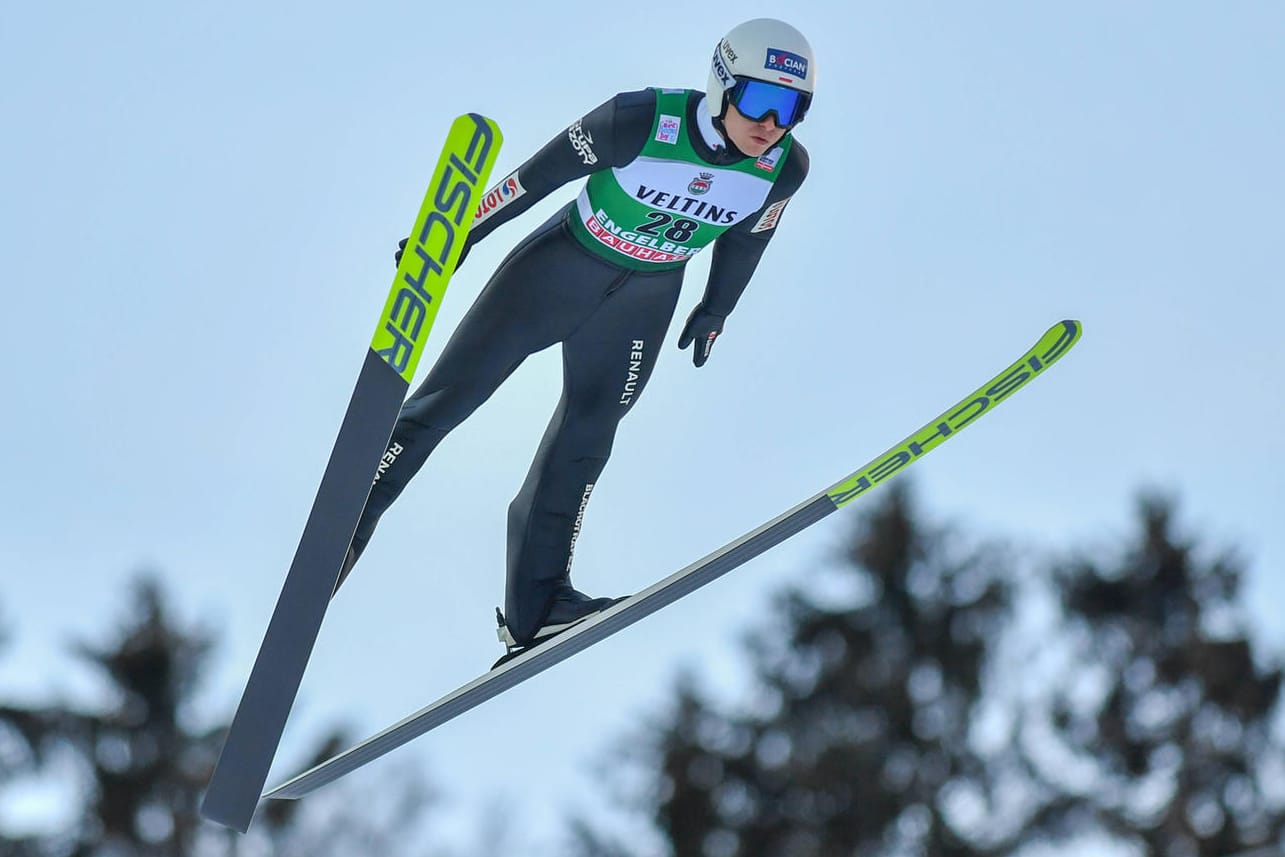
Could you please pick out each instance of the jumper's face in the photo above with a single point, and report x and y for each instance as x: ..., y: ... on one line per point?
x: 752, y: 138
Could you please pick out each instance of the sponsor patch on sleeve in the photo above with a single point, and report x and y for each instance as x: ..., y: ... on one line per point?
x: 499, y: 196
x: 771, y: 216
x: 582, y: 142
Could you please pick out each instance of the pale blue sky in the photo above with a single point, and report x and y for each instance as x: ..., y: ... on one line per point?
x: 198, y: 205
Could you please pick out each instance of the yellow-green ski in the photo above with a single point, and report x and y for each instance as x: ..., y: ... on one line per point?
x: 436, y: 242
x: 1056, y: 342
x: 457, y: 187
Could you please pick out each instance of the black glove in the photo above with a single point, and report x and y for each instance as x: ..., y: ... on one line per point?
x: 401, y: 248
x: 703, y: 327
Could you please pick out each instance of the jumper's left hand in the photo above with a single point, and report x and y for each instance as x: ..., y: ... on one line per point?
x: 702, y: 327
x: 401, y: 250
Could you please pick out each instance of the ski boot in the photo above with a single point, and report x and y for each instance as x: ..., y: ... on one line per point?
x: 568, y: 609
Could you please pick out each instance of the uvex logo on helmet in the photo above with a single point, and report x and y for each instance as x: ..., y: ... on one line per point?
x: 789, y: 63
x: 722, y: 75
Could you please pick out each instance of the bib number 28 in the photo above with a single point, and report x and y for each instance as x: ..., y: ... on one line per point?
x: 675, y: 230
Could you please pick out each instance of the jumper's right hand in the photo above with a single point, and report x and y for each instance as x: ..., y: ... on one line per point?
x: 702, y: 328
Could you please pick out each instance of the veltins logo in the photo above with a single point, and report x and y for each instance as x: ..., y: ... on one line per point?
x: 787, y: 63
x: 701, y: 184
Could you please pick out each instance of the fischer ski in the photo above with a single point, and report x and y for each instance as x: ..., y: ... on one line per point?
x: 1055, y: 343
x: 444, y: 219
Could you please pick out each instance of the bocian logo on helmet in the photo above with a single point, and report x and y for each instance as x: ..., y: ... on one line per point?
x: 789, y: 63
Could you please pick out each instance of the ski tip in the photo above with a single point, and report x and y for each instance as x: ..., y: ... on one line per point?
x: 479, y: 120
x: 1056, y: 341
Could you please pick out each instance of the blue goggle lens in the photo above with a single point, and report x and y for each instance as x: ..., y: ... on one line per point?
x: 757, y: 99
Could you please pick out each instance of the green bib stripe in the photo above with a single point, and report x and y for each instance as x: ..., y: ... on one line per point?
x: 668, y: 204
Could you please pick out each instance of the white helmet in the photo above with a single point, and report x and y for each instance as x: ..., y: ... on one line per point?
x: 763, y: 49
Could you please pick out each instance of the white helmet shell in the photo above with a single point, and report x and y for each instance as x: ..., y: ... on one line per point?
x: 763, y: 49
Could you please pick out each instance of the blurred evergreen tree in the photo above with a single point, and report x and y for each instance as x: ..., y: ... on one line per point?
x: 858, y: 742
x: 1164, y: 725
x: 22, y: 741
x: 903, y: 706
x: 142, y: 770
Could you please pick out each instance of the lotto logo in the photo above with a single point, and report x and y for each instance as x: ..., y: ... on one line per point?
x: 498, y: 197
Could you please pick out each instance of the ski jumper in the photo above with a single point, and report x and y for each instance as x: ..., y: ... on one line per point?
x: 601, y: 277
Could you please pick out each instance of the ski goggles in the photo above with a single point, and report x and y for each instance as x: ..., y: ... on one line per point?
x: 758, y: 99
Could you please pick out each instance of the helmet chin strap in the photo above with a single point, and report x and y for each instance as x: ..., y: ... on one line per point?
x: 721, y: 127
